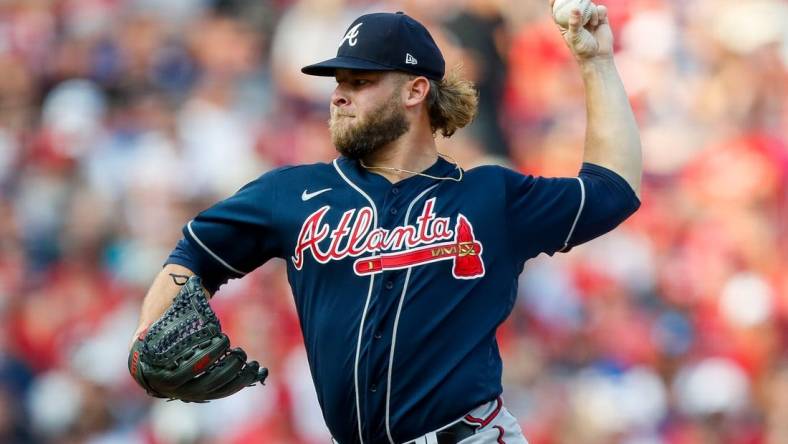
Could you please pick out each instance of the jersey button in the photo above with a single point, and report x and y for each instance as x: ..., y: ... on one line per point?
x: 389, y: 285
x: 373, y: 388
x: 395, y: 190
x: 393, y: 211
x: 378, y: 335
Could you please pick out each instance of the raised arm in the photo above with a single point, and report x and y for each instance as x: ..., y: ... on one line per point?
x: 612, y: 138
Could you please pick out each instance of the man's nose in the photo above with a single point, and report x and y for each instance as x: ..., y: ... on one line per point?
x: 339, y: 99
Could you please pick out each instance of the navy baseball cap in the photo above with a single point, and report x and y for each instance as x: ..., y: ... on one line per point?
x: 385, y: 42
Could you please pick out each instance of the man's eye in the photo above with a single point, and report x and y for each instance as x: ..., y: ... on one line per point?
x: 360, y: 82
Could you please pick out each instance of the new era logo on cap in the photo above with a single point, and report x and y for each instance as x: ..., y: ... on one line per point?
x: 385, y: 42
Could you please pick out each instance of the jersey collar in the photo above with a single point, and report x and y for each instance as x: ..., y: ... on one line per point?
x: 359, y: 174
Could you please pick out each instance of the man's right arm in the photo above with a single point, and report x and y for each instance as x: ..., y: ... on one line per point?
x: 159, y: 296
x: 223, y: 242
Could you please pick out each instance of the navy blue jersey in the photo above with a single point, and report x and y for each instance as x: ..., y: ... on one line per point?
x: 400, y: 287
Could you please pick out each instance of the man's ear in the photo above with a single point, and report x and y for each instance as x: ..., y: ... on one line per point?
x: 417, y: 90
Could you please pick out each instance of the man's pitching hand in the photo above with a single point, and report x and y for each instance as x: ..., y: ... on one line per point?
x: 595, y: 39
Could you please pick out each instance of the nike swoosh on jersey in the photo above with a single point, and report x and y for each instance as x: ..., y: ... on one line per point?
x: 306, y: 196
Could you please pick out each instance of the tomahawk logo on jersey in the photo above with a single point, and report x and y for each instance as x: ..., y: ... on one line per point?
x: 400, y: 287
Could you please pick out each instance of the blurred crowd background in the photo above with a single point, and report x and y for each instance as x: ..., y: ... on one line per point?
x: 120, y: 119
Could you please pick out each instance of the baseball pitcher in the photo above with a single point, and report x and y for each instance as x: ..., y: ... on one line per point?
x: 401, y: 263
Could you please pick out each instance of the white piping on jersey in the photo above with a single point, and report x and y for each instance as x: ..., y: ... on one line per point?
x: 579, y: 210
x: 366, y: 304
x: 214, y: 255
x: 396, y: 323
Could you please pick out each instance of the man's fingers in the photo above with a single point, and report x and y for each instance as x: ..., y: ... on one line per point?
x: 551, y: 4
x: 575, y: 21
x: 593, y: 22
x: 602, y: 12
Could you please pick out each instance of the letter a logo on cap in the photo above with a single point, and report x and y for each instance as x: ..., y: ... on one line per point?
x: 351, y: 36
x: 410, y: 60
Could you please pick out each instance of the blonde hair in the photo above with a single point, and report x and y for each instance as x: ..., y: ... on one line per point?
x: 452, y: 103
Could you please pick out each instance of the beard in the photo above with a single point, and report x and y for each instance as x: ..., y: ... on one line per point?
x: 357, y: 138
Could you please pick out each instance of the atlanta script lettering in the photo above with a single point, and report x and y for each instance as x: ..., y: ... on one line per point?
x: 354, y: 236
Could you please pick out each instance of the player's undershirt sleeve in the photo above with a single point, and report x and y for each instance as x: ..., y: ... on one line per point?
x: 548, y: 215
x: 233, y: 237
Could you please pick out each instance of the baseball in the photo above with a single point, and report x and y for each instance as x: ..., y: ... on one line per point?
x: 562, y: 9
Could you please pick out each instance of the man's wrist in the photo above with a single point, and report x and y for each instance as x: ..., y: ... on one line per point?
x: 141, y: 330
x: 596, y: 62
x: 596, y: 66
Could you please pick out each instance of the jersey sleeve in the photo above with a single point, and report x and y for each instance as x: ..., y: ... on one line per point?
x: 233, y: 237
x: 608, y: 201
x: 549, y: 215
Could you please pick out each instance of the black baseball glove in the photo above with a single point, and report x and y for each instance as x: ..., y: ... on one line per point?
x: 184, y: 355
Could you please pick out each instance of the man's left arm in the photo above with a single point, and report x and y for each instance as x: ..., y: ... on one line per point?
x: 612, y: 139
x: 560, y: 213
